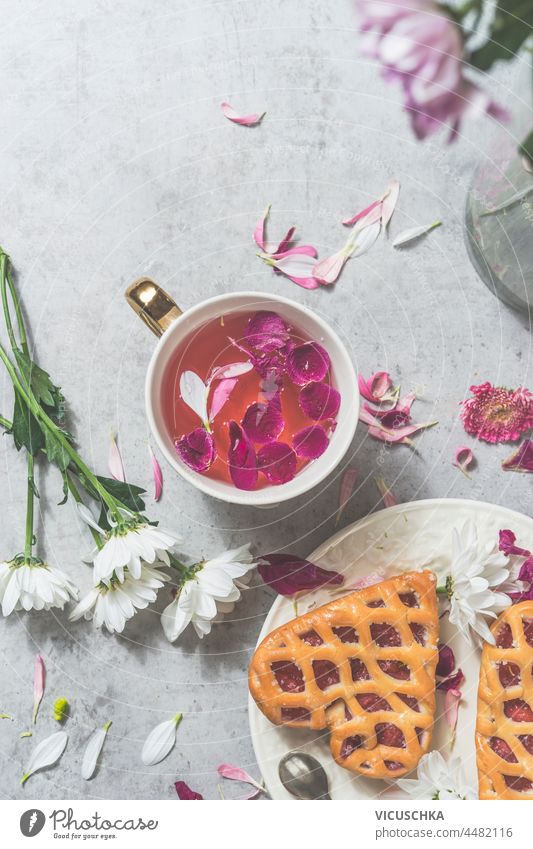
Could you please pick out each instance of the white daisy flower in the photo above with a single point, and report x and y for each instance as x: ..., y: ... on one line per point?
x: 206, y: 590
x: 30, y: 584
x: 438, y: 779
x: 127, y: 544
x: 469, y: 584
x: 114, y: 602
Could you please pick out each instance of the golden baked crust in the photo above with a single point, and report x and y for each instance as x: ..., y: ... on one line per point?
x: 364, y: 666
x: 504, y: 730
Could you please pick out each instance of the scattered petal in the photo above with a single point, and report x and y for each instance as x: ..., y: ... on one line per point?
x: 194, y: 393
x: 452, y: 682
x: 88, y: 517
x: 61, y: 709
x: 114, y: 459
x: 288, y: 575
x: 389, y: 202
x: 463, y: 459
x: 245, y: 120
x: 38, y: 686
x: 197, y: 449
x: 399, y: 435
x: 297, y: 267
x: 297, y: 250
x: 221, y: 394
x: 307, y: 362
x: 349, y: 222
x: 347, y: 484
x: 397, y: 415
x: 327, y: 271
x: 160, y: 741
x: 446, y: 662
x: 157, y: 474
x: 509, y: 202
x: 277, y: 461
x: 263, y: 422
x: 496, y: 414
x: 260, y: 230
x: 319, y: 401
x: 46, y: 753
x: 242, y: 460
x: 284, y: 245
x: 388, y: 498
x: 506, y: 544
x: 235, y: 773
x: 520, y: 460
x: 230, y: 370
x: 451, y: 707
x: 414, y: 233
x: 310, y: 442
x: 92, y: 751
x: 366, y: 238
x: 378, y: 388
x: 185, y: 793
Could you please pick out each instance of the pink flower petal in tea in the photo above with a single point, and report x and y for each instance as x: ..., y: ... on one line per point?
x: 310, y: 442
x: 246, y: 120
x: 260, y: 230
x: 157, y: 475
x: 289, y: 575
x: 114, y: 459
x: 263, y: 422
x: 185, y: 793
x: 230, y: 370
x: 520, y: 460
x: 347, y: 484
x: 242, y: 460
x: 389, y: 201
x: 277, y: 461
x: 319, y: 401
x: 307, y: 362
x: 446, y: 662
x: 223, y: 390
x: 266, y: 331
x: 349, y: 222
x: 197, y: 449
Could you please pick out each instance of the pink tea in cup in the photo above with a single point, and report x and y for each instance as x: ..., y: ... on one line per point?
x: 248, y: 399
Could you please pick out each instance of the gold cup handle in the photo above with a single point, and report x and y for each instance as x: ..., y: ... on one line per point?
x: 152, y: 304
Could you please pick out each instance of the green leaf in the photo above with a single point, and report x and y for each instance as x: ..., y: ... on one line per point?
x: 127, y: 493
x: 56, y: 452
x: 26, y: 430
x: 512, y: 25
x: 46, y: 392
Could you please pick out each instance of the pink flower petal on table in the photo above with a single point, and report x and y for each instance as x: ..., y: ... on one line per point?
x: 259, y: 235
x: 263, y: 422
x: 221, y: 394
x: 396, y: 416
x: 388, y: 498
x: 246, y: 120
x: 520, y: 460
x: 463, y: 459
x: 399, y: 436
x: 266, y: 330
x: 349, y: 222
x: 378, y: 388
x: 298, y: 267
x: 319, y: 401
x: 297, y: 250
x: 235, y: 773
x: 507, y: 541
x: 347, y: 484
x: 310, y: 442
x: 157, y: 474
x: 452, y: 682
x: 197, y: 449
x: 451, y: 707
x: 185, y: 793
x: 286, y: 241
x: 446, y: 662
x: 365, y: 238
x: 277, y: 461
x: 289, y: 575
x: 114, y: 460
x: 390, y: 200
x: 327, y: 271
x: 242, y: 460
x: 38, y: 686
x: 307, y: 362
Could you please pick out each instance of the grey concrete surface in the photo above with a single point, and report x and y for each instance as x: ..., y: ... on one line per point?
x: 115, y: 162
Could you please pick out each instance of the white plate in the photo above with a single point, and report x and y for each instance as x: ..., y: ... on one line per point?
x: 407, y: 537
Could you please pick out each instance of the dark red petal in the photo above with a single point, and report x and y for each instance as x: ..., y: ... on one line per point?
x: 288, y: 575
x: 196, y: 449
x: 242, y: 460
x: 446, y: 663
x: 266, y: 331
x: 310, y: 442
x: 307, y: 362
x: 319, y: 401
x: 263, y: 422
x: 277, y: 461
x: 184, y: 791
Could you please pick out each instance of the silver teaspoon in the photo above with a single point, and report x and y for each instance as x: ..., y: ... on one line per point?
x: 303, y: 776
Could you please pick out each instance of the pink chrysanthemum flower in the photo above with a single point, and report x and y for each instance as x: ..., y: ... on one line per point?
x: 496, y: 414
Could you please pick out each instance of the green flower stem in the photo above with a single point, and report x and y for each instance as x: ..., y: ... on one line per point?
x: 28, y: 541
x: 5, y: 423
x: 180, y: 567
x: 78, y: 499
x: 442, y: 591
x: 29, y: 399
x: 5, y: 278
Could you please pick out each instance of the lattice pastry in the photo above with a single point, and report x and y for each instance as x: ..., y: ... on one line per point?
x: 504, y: 731
x: 362, y: 666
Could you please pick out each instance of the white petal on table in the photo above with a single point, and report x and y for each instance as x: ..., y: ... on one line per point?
x: 92, y: 752
x: 160, y: 741
x: 46, y: 753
